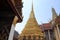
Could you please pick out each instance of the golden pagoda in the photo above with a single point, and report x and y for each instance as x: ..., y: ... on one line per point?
x: 32, y: 30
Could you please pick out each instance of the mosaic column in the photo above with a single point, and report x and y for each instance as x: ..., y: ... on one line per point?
x: 58, y: 31
x: 56, y: 35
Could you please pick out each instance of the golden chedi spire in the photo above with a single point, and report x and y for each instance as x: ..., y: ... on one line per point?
x: 32, y: 13
x: 54, y: 14
x: 31, y: 27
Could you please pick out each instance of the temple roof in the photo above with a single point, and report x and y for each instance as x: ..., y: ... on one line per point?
x: 16, y: 5
x: 7, y: 13
x: 32, y: 27
x: 45, y: 26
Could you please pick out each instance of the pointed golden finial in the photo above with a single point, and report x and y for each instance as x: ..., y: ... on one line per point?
x: 32, y: 5
x: 32, y: 12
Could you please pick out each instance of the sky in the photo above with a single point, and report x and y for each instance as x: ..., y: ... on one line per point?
x: 42, y: 11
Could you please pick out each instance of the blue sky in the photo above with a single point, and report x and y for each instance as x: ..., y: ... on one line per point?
x: 42, y: 10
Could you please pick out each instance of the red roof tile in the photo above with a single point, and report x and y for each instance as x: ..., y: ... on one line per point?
x: 45, y: 26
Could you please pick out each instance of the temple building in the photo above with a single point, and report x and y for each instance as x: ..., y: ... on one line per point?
x: 31, y: 30
x: 8, y: 10
x: 48, y: 31
x: 52, y: 29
